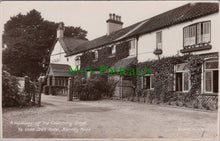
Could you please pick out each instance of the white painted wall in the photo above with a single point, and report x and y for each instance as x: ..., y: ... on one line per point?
x: 172, y: 39
x: 58, y: 56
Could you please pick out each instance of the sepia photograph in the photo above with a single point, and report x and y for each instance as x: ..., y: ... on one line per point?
x: 110, y: 70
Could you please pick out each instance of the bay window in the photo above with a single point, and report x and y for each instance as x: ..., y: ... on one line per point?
x: 211, y: 76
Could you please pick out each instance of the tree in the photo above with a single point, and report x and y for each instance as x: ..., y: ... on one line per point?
x: 28, y: 39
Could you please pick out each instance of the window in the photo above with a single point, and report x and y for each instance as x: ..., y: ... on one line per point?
x: 148, y: 81
x: 211, y: 76
x: 96, y: 55
x: 113, y: 50
x: 67, y: 59
x: 159, y: 40
x: 77, y: 60
x: 132, y: 48
x: 198, y: 33
x: 182, y: 78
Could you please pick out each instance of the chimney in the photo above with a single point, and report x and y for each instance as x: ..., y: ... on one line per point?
x: 60, y: 30
x: 114, y: 23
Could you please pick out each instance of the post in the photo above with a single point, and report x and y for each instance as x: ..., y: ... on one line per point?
x: 26, y: 85
x: 40, y: 90
x: 70, y: 90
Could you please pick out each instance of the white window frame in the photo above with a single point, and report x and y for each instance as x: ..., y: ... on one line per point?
x: 198, y: 32
x: 113, y: 50
x: 189, y: 82
x: 151, y: 82
x: 77, y: 61
x: 96, y: 55
x: 132, y: 48
x: 204, y: 78
x: 159, y: 43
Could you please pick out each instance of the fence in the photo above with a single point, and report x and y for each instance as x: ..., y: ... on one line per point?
x: 199, y: 101
x: 32, y: 91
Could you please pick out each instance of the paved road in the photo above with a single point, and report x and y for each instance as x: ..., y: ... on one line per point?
x: 106, y: 119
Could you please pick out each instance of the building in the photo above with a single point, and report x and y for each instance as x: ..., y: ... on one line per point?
x: 178, y: 34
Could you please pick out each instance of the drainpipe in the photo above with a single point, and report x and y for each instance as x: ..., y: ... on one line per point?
x: 121, y: 87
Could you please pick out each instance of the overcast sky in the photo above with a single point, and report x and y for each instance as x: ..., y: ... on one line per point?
x: 90, y: 16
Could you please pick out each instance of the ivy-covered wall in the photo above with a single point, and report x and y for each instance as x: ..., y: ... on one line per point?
x: 104, y: 56
x: 163, y: 71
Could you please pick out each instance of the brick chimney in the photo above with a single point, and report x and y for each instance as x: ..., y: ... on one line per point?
x: 113, y: 23
x: 60, y: 30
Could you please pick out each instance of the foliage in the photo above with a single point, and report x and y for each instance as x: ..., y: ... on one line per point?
x: 28, y: 39
x: 9, y: 90
x: 95, y: 89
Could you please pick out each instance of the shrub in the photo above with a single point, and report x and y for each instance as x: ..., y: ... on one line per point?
x: 10, y: 90
x: 95, y: 89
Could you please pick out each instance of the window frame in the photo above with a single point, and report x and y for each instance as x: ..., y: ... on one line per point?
x: 132, y: 51
x: 196, y: 33
x: 183, y: 79
x: 77, y: 61
x: 113, y: 48
x: 161, y: 39
x: 96, y: 55
x: 151, y: 81
x: 204, y: 77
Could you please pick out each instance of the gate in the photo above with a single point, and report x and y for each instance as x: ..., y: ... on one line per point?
x: 32, y: 91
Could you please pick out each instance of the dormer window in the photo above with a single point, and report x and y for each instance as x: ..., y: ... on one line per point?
x: 132, y: 48
x: 159, y: 40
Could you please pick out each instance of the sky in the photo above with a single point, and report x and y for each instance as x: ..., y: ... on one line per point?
x: 90, y: 16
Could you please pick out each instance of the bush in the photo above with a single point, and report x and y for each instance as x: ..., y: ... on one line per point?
x: 10, y: 90
x: 96, y: 89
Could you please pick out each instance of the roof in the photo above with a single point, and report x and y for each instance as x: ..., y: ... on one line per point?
x: 175, y: 16
x: 106, y: 39
x: 61, y: 70
x: 70, y: 43
x: 178, y: 15
x: 124, y: 63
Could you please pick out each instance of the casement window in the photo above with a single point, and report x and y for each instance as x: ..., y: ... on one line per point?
x: 77, y: 60
x: 159, y: 40
x: 198, y: 33
x: 148, y: 82
x: 211, y: 76
x: 132, y: 49
x: 182, y: 78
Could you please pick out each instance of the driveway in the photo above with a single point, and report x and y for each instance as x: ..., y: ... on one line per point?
x: 59, y: 118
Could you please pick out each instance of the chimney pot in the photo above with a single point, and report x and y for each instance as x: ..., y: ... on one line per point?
x: 113, y: 23
x: 114, y: 17
x: 117, y: 18
x: 110, y: 16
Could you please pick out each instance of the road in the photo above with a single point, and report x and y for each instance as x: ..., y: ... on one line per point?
x: 59, y: 118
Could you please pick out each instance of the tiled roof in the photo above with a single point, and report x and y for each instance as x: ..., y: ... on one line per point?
x: 178, y: 15
x: 60, y: 70
x: 124, y: 63
x: 106, y: 39
x: 69, y: 44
